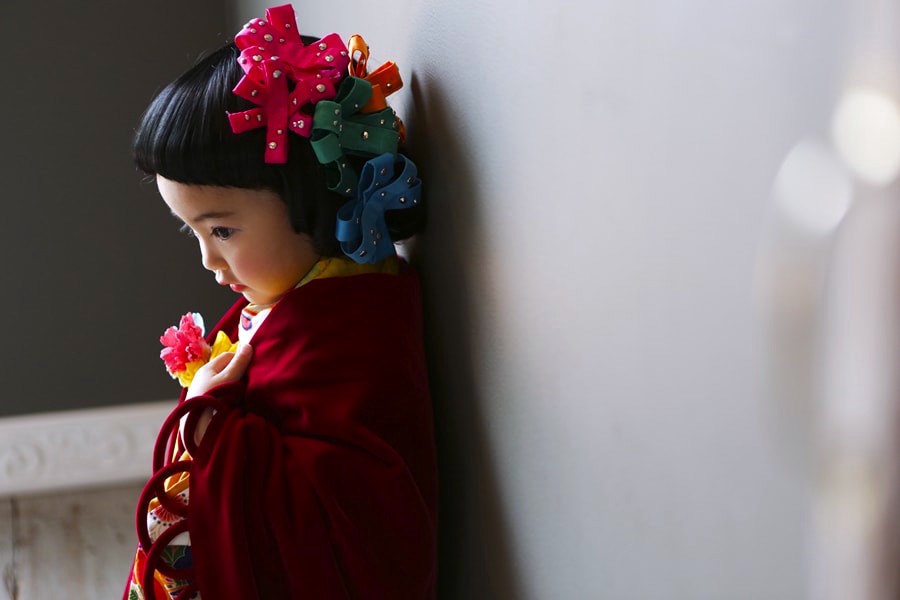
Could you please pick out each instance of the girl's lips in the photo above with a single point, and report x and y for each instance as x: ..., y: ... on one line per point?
x: 236, y: 287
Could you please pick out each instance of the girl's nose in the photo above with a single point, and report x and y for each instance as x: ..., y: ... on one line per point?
x: 212, y: 260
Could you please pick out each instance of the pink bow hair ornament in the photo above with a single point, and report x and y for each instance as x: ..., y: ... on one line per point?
x: 272, y: 56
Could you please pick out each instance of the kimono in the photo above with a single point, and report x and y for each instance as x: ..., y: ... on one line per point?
x: 316, y: 478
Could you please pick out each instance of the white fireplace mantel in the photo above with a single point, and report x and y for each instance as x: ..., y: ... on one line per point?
x: 78, y: 449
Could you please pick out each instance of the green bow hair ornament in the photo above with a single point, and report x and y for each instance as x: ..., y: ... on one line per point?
x: 340, y: 129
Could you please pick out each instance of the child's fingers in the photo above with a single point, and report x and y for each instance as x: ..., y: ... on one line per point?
x: 220, y: 362
x: 229, y: 366
x: 238, y: 363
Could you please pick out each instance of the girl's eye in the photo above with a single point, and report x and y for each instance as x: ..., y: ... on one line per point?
x: 222, y: 233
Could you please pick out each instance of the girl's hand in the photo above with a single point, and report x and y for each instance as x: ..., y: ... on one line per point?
x: 224, y: 368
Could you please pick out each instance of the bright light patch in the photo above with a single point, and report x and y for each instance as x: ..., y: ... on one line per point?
x: 812, y: 187
x: 866, y: 133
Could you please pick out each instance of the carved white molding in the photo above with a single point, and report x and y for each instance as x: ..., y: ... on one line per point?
x: 79, y: 448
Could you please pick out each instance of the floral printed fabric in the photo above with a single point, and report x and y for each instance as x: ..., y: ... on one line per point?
x: 177, y: 555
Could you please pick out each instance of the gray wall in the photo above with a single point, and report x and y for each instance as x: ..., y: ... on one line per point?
x: 92, y: 265
x: 599, y: 176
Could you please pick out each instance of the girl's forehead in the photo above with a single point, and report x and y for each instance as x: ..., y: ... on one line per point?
x: 210, y: 197
x: 188, y: 201
x: 198, y: 203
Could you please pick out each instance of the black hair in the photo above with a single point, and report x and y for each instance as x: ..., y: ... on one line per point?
x: 185, y: 136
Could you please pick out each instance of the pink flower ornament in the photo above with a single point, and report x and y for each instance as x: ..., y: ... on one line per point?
x: 282, y: 76
x: 185, y: 347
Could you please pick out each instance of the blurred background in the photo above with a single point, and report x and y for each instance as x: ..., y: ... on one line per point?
x: 660, y: 275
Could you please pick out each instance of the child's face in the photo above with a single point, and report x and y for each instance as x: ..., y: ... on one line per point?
x: 245, y: 237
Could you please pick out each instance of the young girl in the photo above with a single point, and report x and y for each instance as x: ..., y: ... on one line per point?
x: 301, y: 464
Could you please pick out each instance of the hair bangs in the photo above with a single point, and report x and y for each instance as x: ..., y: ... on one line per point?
x: 185, y: 136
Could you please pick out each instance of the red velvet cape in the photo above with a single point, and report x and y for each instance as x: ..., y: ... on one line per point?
x: 317, y: 476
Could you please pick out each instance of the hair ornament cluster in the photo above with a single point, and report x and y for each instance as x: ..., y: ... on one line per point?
x: 274, y: 58
x: 325, y: 92
x: 359, y: 121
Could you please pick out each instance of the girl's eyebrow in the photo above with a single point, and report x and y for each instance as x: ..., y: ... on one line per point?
x: 213, y: 214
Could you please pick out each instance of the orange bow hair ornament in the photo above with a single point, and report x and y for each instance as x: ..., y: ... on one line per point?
x: 385, y: 79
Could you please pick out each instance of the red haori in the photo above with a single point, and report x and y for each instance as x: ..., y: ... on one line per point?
x: 322, y: 456
x: 272, y: 54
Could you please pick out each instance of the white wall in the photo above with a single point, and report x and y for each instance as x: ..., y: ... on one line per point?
x: 599, y: 177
